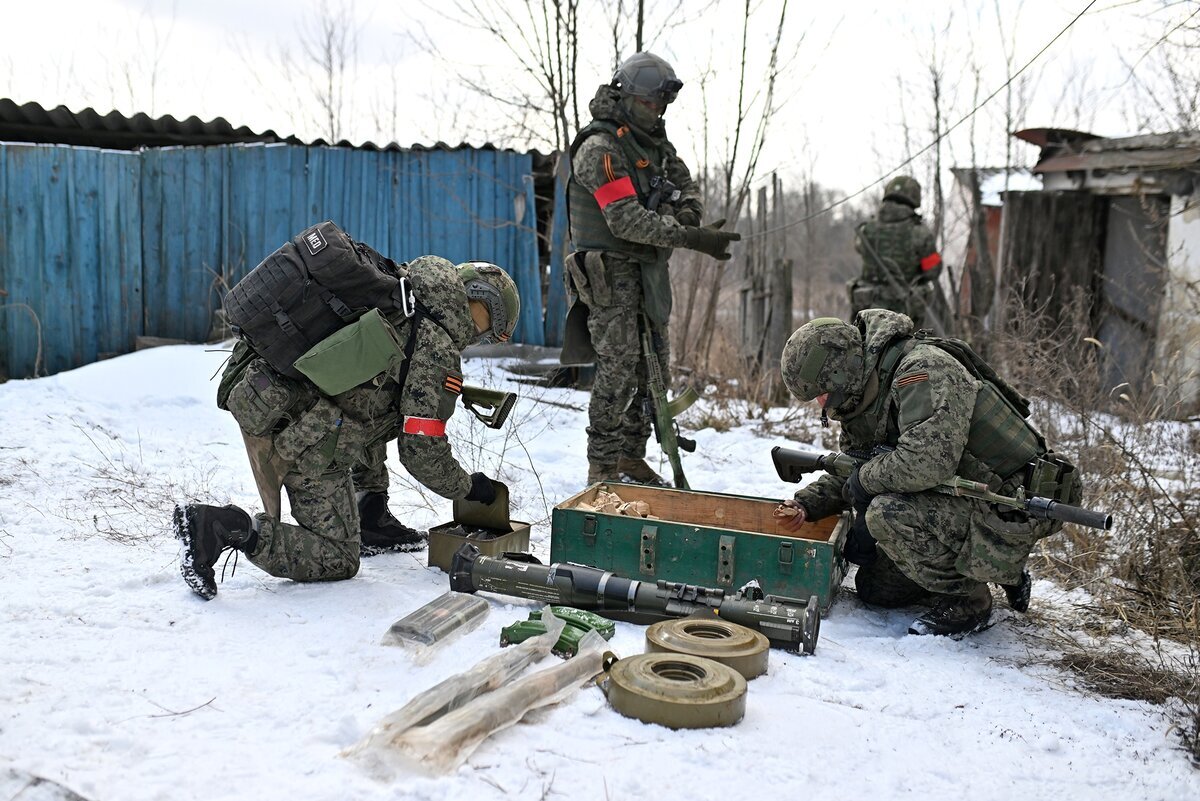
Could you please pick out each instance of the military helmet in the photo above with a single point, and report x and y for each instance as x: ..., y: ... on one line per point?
x: 491, y: 286
x: 821, y: 357
x: 903, y: 189
x: 646, y: 75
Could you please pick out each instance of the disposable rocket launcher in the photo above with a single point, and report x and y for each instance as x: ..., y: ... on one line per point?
x: 379, y: 751
x: 787, y: 623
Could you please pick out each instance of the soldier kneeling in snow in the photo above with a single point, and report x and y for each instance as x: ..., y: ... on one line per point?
x: 322, y: 443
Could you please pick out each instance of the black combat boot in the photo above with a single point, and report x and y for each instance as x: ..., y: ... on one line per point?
x: 381, y: 532
x: 204, y: 532
x: 1018, y: 594
x: 956, y: 614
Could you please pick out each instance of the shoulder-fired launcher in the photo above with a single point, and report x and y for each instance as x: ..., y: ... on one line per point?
x: 787, y: 623
x: 793, y: 464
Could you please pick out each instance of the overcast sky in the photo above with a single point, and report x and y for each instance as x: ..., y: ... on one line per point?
x: 858, y: 77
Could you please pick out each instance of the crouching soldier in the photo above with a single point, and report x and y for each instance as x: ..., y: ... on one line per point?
x: 323, y: 439
x: 934, y: 419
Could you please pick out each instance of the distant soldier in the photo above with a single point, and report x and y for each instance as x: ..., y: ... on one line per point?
x: 912, y: 543
x: 900, y: 258
x: 631, y: 200
x: 328, y: 452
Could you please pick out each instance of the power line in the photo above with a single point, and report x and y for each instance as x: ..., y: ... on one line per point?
x: 932, y: 144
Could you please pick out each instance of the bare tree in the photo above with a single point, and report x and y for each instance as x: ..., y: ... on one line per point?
x: 321, y: 71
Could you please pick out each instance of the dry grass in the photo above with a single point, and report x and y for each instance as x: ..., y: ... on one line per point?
x: 1141, y: 463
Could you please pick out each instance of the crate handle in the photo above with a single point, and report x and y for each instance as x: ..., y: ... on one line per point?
x: 786, y: 553
x: 589, y: 529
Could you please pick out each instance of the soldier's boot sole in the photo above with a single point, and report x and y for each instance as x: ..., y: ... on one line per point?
x: 194, y: 566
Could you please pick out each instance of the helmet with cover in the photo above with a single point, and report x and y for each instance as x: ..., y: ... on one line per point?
x: 646, y: 76
x: 821, y: 357
x: 903, y: 189
x: 490, y: 285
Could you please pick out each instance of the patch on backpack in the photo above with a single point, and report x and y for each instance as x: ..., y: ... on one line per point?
x: 315, y: 242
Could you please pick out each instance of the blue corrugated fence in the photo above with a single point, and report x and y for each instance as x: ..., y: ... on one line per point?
x: 105, y: 246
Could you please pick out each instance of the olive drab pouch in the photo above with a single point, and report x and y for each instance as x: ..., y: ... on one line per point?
x: 598, y: 278
x: 1051, y: 476
x: 263, y: 399
x: 235, y: 367
x: 353, y: 355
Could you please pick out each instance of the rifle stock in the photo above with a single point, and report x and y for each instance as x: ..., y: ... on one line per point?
x: 792, y: 465
x: 490, y: 406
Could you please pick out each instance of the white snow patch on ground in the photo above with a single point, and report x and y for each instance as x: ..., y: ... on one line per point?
x: 119, y: 683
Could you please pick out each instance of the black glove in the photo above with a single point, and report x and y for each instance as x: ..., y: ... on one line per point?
x: 860, y: 545
x: 855, y: 494
x: 482, y: 490
x: 710, y: 239
x: 689, y: 217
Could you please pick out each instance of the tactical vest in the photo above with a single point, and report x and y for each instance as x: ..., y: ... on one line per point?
x: 589, y: 229
x: 888, y: 250
x: 1000, y: 436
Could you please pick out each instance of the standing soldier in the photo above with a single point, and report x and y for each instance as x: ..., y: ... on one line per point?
x: 900, y: 258
x: 631, y: 200
x: 913, y: 543
x: 325, y: 447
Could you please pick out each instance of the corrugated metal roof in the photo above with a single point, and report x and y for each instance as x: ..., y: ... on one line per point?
x: 1067, y: 151
x: 30, y: 122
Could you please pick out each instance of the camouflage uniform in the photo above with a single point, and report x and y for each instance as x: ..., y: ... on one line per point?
x: 899, y: 245
x: 347, y: 433
x: 931, y: 410
x: 619, y: 269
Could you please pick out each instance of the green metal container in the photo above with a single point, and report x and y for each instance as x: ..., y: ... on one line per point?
x: 705, y: 538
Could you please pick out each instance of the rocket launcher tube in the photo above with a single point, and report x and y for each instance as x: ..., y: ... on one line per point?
x: 788, y: 623
x: 791, y: 465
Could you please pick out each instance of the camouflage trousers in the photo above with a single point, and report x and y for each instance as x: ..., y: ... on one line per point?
x: 617, y: 425
x: 950, y: 545
x: 884, y: 296
x: 324, y: 543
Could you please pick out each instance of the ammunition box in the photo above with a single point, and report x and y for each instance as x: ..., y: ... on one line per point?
x: 443, y: 544
x: 705, y: 538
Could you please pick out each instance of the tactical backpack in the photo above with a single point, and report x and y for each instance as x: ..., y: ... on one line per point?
x: 314, y: 285
x: 977, y: 367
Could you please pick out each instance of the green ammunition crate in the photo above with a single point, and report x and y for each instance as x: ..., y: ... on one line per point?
x: 443, y: 544
x: 705, y: 538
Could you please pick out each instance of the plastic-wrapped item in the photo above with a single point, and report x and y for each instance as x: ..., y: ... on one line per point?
x: 441, y: 620
x: 444, y: 744
x: 377, y: 751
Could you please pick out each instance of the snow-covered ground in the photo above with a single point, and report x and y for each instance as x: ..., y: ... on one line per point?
x: 118, y: 683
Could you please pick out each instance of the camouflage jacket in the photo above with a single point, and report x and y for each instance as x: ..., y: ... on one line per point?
x: 898, y: 244
x: 924, y: 411
x: 617, y: 189
x: 339, y: 432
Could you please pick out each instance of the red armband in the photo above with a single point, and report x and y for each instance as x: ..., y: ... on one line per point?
x: 425, y: 426
x: 931, y: 261
x: 614, y: 191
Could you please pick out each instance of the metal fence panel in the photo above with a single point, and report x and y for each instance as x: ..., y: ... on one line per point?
x: 104, y: 246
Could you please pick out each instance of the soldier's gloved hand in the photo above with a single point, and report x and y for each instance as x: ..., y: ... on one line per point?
x: 710, y: 239
x: 687, y: 216
x: 860, y: 545
x: 482, y: 490
x: 854, y: 493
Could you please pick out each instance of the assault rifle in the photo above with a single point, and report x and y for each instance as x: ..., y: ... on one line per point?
x: 495, y: 404
x: 793, y: 464
x: 662, y: 412
x: 661, y: 189
x: 787, y: 623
